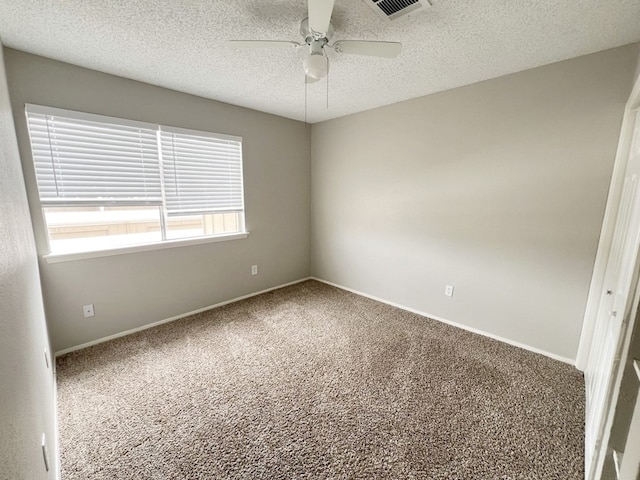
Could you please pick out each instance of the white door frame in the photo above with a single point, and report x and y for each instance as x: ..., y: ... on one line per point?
x: 600, y: 447
x: 594, y: 470
x: 608, y: 225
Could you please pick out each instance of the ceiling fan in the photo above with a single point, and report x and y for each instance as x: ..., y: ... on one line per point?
x: 316, y: 31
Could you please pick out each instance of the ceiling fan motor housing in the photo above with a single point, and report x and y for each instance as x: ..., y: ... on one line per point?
x: 309, y: 35
x: 315, y: 64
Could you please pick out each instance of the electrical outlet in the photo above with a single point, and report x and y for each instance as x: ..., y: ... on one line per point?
x: 254, y: 269
x: 448, y: 290
x: 87, y: 310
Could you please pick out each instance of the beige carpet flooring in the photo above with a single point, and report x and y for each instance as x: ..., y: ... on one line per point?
x: 310, y: 381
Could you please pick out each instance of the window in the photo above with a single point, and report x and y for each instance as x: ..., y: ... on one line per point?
x: 107, y: 182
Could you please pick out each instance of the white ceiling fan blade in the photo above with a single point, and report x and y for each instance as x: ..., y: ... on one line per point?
x: 374, y: 49
x: 320, y: 15
x: 264, y: 44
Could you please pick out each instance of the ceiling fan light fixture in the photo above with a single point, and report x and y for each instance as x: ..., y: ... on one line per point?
x: 315, y: 66
x: 316, y: 31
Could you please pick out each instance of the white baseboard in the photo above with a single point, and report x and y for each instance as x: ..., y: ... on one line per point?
x: 393, y: 304
x: 454, y: 324
x: 172, y: 319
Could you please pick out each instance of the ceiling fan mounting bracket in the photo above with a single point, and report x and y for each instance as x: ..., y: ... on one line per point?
x: 310, y: 36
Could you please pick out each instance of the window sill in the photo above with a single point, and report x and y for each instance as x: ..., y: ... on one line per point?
x: 70, y: 257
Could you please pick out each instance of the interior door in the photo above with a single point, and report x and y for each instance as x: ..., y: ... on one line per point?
x: 610, y: 323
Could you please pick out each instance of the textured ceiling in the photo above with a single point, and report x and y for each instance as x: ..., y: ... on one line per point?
x: 182, y: 44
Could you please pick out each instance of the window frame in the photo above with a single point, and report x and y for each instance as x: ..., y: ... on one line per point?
x: 164, y: 243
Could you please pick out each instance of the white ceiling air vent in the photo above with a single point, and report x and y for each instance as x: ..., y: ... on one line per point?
x: 394, y: 9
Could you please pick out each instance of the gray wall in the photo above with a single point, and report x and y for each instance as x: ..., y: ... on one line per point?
x: 637, y: 75
x: 132, y: 290
x: 26, y: 383
x: 497, y: 188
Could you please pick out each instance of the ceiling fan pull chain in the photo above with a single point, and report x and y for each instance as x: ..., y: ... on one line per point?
x: 327, y: 85
x: 305, y: 102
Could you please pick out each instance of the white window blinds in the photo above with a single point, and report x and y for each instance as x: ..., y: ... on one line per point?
x: 92, y: 159
x: 202, y: 173
x: 83, y: 158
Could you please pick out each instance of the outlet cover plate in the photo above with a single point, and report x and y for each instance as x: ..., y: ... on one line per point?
x: 87, y: 310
